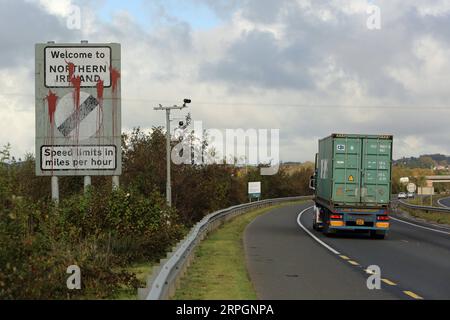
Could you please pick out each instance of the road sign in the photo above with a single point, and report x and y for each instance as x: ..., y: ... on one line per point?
x: 78, y: 109
x: 411, y: 187
x: 90, y: 62
x: 254, y: 189
x: 426, y: 190
x: 404, y: 180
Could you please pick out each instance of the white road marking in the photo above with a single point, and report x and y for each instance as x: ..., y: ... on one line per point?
x: 312, y: 235
x: 409, y: 293
x: 419, y: 226
x: 441, y: 204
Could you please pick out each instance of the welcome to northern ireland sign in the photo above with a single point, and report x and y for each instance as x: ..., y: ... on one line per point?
x: 78, y: 109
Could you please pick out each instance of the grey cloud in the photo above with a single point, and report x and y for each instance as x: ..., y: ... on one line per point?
x: 24, y: 23
x: 259, y: 60
x: 254, y: 60
x: 158, y: 63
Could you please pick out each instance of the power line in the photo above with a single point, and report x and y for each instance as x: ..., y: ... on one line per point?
x: 286, y: 105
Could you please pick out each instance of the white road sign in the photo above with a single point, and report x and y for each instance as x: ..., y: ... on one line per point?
x: 411, y: 187
x: 254, y: 188
x: 78, y: 157
x: 91, y: 64
x: 78, y: 109
x: 404, y: 180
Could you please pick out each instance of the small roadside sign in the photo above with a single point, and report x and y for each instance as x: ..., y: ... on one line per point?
x: 411, y: 187
x: 404, y: 180
x: 254, y: 189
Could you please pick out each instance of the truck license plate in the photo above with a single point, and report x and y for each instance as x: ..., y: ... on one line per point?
x: 360, y: 222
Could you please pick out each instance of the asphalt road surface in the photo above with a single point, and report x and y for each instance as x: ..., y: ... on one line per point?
x: 287, y: 259
x: 445, y: 202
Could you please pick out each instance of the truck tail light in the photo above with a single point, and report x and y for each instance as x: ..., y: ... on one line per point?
x: 384, y: 225
x: 383, y: 218
x: 336, y: 216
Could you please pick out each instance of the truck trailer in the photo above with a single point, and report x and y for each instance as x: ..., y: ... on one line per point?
x: 352, y: 184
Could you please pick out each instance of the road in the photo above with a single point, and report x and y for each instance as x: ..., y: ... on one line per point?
x: 287, y: 262
x: 444, y: 202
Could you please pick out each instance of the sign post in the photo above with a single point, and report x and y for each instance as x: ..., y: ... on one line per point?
x: 78, y: 110
x: 254, y: 190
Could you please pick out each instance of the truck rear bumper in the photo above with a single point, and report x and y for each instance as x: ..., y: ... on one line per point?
x: 354, y: 228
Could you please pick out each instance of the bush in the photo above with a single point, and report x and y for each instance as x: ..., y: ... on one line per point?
x: 100, y: 233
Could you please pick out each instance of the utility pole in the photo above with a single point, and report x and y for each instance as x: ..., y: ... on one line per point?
x: 168, y: 182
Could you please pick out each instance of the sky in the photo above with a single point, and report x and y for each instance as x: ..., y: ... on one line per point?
x: 307, y: 67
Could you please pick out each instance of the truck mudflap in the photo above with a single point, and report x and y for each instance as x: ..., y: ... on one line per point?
x: 317, y: 218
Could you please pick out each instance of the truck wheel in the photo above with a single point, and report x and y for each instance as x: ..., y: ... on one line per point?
x: 325, y: 229
x: 375, y: 235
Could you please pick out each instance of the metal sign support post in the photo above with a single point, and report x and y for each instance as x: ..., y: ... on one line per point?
x: 55, y: 189
x: 115, y: 182
x: 87, y: 183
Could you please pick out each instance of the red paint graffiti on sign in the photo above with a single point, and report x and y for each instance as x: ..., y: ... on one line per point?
x: 51, y: 98
x: 100, y: 88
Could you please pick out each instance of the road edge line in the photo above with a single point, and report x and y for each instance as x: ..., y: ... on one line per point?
x: 419, y: 226
x: 312, y: 235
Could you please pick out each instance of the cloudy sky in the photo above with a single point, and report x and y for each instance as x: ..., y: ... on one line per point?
x: 307, y: 67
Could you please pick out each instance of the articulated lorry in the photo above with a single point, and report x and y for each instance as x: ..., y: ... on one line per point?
x: 352, y: 184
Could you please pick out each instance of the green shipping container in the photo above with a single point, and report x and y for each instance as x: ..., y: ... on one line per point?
x: 354, y: 170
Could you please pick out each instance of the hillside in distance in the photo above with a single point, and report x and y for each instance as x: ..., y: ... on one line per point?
x: 428, y: 161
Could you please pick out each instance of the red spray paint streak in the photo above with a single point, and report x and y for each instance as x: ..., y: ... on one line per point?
x: 76, y: 84
x: 100, y: 91
x: 52, y: 99
x: 100, y: 88
x: 71, y: 69
x: 115, y: 75
x: 51, y: 104
x: 75, y: 81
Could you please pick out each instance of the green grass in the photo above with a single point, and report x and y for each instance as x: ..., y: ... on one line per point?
x: 219, y: 271
x: 438, y: 217
x: 426, y: 200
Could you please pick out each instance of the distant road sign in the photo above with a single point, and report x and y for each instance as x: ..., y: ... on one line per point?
x: 426, y: 190
x: 78, y: 109
x: 404, y: 180
x: 411, y: 187
x: 254, y: 189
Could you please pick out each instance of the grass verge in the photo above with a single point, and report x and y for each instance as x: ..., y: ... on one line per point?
x: 438, y: 217
x: 219, y: 271
x: 427, y: 200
